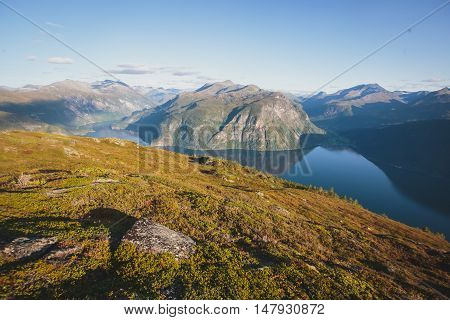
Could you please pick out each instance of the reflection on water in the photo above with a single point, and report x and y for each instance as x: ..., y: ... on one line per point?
x: 414, y: 199
x: 351, y: 174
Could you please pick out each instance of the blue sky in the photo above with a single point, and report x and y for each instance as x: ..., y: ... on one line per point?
x: 287, y: 45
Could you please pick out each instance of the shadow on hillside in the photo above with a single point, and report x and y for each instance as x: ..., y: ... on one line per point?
x: 117, y: 223
x: 31, y: 227
x: 264, y: 257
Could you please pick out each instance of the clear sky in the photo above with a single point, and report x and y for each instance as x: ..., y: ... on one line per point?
x: 288, y: 45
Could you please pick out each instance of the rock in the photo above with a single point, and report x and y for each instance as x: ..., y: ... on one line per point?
x: 62, y: 255
x: 311, y: 267
x: 105, y: 180
x: 59, y: 192
x: 71, y: 152
x: 156, y: 238
x: 279, y: 209
x: 23, y: 180
x: 24, y: 248
x: 116, y: 141
x: 228, y: 180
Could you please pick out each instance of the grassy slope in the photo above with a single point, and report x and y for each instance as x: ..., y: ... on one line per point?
x: 257, y: 236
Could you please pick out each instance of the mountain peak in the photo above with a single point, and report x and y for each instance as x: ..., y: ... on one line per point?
x: 444, y: 90
x: 107, y: 83
x: 69, y: 85
x: 374, y: 86
x: 215, y: 86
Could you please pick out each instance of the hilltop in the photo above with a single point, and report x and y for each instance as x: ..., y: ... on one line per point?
x: 75, y: 201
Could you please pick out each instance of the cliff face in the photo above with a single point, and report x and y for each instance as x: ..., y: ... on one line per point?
x: 228, y: 116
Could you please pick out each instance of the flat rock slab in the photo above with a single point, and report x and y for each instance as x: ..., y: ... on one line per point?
x: 156, y: 238
x: 62, y: 255
x: 24, y: 248
x: 105, y: 180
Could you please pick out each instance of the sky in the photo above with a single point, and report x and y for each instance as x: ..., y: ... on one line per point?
x: 295, y: 46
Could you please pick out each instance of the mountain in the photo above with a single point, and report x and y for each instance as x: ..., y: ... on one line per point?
x: 370, y: 106
x: 325, y: 106
x: 69, y: 105
x: 157, y: 96
x: 225, y: 115
x: 432, y: 98
x: 89, y: 223
x: 411, y: 97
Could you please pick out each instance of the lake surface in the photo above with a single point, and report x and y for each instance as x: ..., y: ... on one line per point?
x: 107, y: 132
x: 415, y: 199
x: 350, y: 174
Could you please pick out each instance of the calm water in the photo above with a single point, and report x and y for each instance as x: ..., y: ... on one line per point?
x: 351, y: 174
x: 414, y: 199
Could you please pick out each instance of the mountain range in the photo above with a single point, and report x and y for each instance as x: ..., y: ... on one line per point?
x: 221, y: 115
x: 370, y: 105
x: 68, y: 106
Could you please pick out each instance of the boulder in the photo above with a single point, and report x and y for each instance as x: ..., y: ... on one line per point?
x: 25, y: 248
x: 156, y: 238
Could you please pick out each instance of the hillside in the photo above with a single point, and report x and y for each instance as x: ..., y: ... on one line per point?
x: 239, y: 233
x: 225, y: 115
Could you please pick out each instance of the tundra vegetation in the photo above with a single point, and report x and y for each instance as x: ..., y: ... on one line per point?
x: 256, y: 236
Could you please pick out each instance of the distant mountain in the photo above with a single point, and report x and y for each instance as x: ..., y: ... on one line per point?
x: 69, y: 105
x: 437, y: 97
x: 327, y: 106
x: 225, y: 115
x: 367, y: 106
x: 157, y: 96
x: 411, y: 97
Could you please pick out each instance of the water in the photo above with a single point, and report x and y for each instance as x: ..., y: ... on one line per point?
x: 107, y: 132
x: 350, y: 174
x: 415, y: 199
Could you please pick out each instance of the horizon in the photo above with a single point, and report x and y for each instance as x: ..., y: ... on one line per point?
x: 299, y: 93
x: 276, y: 47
